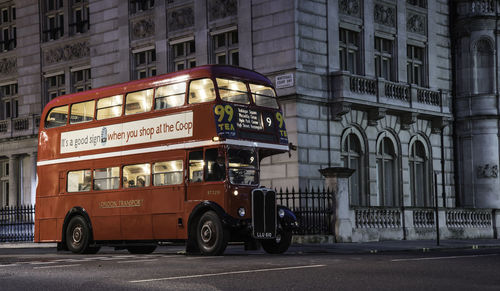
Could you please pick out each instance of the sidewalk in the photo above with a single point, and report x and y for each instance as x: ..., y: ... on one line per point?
x: 365, y: 247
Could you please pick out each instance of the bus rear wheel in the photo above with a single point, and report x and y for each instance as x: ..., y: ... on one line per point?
x: 211, y: 235
x: 78, y: 236
x: 141, y: 249
x: 278, y: 245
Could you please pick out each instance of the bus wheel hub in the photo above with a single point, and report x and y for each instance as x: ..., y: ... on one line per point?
x: 206, y: 232
x: 77, y: 234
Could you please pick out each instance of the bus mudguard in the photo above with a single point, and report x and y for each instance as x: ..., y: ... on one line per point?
x: 288, y: 220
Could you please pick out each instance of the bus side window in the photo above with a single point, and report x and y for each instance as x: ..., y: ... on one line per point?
x: 109, y: 107
x: 82, y: 112
x: 138, y: 102
x: 170, y: 96
x: 135, y: 176
x: 201, y: 91
x: 216, y: 170
x: 196, y: 166
x: 57, y: 117
x: 263, y: 96
x: 107, y: 178
x: 167, y: 173
x: 79, y: 181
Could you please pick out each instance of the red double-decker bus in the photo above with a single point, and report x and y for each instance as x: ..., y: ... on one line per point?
x: 169, y: 158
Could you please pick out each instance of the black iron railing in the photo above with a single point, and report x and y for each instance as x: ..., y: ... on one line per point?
x: 314, y: 209
x: 17, y: 223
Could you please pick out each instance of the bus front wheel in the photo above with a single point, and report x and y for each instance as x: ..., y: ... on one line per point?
x: 278, y: 245
x: 78, y: 236
x: 211, y: 235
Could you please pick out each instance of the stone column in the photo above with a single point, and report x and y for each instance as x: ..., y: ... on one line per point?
x: 13, y: 178
x: 336, y: 179
x: 34, y: 177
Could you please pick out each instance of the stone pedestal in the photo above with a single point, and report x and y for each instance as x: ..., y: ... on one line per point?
x: 336, y: 179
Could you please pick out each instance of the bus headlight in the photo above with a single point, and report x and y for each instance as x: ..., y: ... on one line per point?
x: 235, y: 193
x: 281, y: 213
x: 241, y: 211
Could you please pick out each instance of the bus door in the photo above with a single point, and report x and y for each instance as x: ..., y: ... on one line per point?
x: 206, y: 175
x: 168, y: 197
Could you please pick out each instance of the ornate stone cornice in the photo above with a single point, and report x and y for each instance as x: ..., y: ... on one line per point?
x: 385, y: 15
x: 8, y: 66
x: 180, y: 18
x: 218, y: 9
x: 143, y: 28
x: 350, y: 7
x: 67, y: 52
x: 416, y: 23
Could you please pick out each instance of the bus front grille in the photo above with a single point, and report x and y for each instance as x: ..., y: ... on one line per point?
x: 264, y: 213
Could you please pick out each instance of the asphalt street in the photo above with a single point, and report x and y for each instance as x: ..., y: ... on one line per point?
x: 169, y: 269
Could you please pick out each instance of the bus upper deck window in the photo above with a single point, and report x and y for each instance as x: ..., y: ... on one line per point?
x: 170, y: 96
x: 201, y: 91
x: 167, y: 173
x: 263, y: 96
x: 109, y: 107
x: 57, y: 117
x: 233, y: 91
x: 138, y: 102
x: 82, y: 112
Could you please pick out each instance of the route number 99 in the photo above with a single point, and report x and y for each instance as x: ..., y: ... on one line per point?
x: 221, y: 111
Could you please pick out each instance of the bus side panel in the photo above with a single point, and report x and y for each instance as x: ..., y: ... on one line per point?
x: 135, y: 208
x: 49, y: 185
x: 165, y: 226
x: 104, y: 212
x: 48, y: 230
x: 166, y: 204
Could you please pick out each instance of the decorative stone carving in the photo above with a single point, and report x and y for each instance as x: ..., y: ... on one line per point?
x: 143, y: 28
x: 408, y: 119
x: 67, y: 52
x: 375, y: 114
x: 350, y: 7
x: 8, y: 66
x: 385, y: 15
x: 482, y: 7
x: 218, y: 9
x: 340, y: 108
x: 487, y: 171
x: 416, y: 23
x: 180, y: 18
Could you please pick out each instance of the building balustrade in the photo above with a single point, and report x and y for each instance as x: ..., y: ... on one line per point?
x: 374, y: 92
x: 378, y: 217
x: 460, y: 218
x: 424, y: 218
x: 19, y: 126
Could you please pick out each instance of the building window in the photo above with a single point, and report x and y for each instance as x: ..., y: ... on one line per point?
x: 55, y: 86
x: 384, y: 63
x: 420, y: 176
x: 184, y: 55
x: 415, y: 67
x: 141, y: 5
x: 352, y: 157
x: 225, y: 48
x: 145, y: 64
x: 81, y: 80
x: 387, y: 173
x: 349, y: 51
x: 8, y: 36
x: 53, y: 25
x: 10, y: 102
x: 419, y: 3
x: 80, y: 17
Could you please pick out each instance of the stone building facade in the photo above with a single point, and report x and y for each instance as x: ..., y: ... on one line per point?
x: 364, y: 84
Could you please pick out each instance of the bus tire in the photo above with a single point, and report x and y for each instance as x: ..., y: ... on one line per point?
x: 211, y: 235
x: 141, y: 249
x: 78, y: 236
x: 278, y: 245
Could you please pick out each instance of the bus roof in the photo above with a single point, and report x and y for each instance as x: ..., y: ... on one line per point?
x: 169, y: 78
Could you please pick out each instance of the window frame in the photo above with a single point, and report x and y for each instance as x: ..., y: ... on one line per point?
x: 346, y: 48
x: 382, y: 56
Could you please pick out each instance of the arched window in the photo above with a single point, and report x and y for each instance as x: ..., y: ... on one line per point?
x: 387, y: 173
x: 420, y: 176
x: 352, y: 157
x: 483, y: 59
